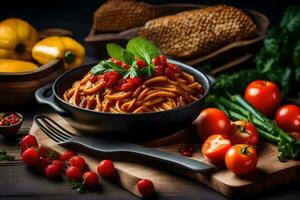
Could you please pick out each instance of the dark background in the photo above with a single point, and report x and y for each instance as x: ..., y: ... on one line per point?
x: 77, y: 15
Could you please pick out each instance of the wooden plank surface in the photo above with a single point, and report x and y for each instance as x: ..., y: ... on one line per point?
x: 130, y: 171
x: 18, y: 182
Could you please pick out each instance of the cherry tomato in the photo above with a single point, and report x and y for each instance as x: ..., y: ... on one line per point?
x: 77, y: 161
x: 66, y: 155
x: 73, y: 173
x: 244, y: 132
x: 31, y: 156
x: 174, y: 67
x: 60, y: 164
x: 170, y: 74
x: 42, y: 163
x: 140, y: 63
x: 288, y: 118
x: 215, y: 147
x: 145, y: 187
x: 241, y: 159
x: 27, y: 142
x: 212, y: 121
x: 90, y: 179
x: 130, y: 83
x: 159, y: 70
x: 111, y: 78
x: 93, y: 79
x: 264, y: 96
x: 52, y: 171
x: 106, y: 169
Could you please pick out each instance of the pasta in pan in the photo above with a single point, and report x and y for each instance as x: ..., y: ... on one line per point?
x: 117, y: 87
x: 155, y: 94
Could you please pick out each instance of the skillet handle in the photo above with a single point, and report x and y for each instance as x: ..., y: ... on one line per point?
x: 211, y: 79
x: 44, y: 95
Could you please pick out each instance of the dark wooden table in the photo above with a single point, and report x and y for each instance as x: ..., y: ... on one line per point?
x: 19, y: 182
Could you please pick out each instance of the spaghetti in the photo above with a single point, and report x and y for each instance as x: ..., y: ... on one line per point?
x: 158, y: 93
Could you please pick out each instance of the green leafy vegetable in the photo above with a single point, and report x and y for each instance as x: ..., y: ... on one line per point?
x: 115, y: 51
x: 136, y: 48
x: 277, y: 61
x: 105, y: 66
x: 5, y: 156
x: 132, y: 71
x: 128, y: 57
x: 143, y: 49
x: 235, y: 82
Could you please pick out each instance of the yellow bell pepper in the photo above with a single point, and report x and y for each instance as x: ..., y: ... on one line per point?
x: 55, y: 47
x: 17, y: 37
x: 8, y: 65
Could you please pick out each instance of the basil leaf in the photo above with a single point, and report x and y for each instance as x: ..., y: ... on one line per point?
x: 143, y: 49
x: 148, y: 71
x: 115, y: 51
x: 128, y: 57
x: 98, y: 69
x: 132, y: 71
x: 106, y: 65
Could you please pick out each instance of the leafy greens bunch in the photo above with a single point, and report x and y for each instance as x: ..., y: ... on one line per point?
x: 277, y: 61
x: 136, y: 48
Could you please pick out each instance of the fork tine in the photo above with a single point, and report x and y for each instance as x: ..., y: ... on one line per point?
x: 58, y: 127
x: 45, y: 129
x: 54, y: 130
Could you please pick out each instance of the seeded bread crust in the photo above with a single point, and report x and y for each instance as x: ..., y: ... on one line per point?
x: 119, y: 15
x: 197, y: 32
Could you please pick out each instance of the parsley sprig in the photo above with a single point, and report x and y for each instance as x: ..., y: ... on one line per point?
x: 136, y: 48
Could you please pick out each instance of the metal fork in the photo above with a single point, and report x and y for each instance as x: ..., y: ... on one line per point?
x: 62, y: 136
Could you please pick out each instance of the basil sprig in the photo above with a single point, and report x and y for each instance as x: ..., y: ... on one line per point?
x: 136, y: 47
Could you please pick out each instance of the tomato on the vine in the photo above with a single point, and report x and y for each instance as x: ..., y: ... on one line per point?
x: 241, y: 159
x: 264, y: 96
x: 215, y: 147
x: 212, y: 121
x: 288, y: 118
x: 244, y: 132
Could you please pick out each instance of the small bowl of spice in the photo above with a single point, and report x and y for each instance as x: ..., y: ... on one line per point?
x: 10, y: 123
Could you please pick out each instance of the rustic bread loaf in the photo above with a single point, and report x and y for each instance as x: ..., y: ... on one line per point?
x: 119, y: 15
x: 198, y: 32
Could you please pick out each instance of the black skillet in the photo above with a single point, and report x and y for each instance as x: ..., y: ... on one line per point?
x: 130, y: 127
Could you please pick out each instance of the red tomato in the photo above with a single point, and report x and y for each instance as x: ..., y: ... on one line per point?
x: 212, y: 121
x: 73, y: 173
x: 244, y: 132
x: 111, y: 78
x: 77, y: 161
x: 90, y: 179
x: 66, y: 155
x: 31, y: 156
x: 264, y: 96
x: 52, y: 171
x: 60, y: 164
x: 145, y: 187
x: 106, y: 169
x: 241, y: 159
x: 215, y: 147
x: 288, y: 118
x: 27, y: 142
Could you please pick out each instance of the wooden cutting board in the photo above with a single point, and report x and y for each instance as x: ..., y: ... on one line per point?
x: 269, y: 172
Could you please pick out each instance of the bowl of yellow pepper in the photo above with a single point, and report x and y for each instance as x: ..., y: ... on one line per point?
x: 29, y: 60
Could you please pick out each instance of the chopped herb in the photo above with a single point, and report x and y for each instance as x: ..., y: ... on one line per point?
x: 5, y: 156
